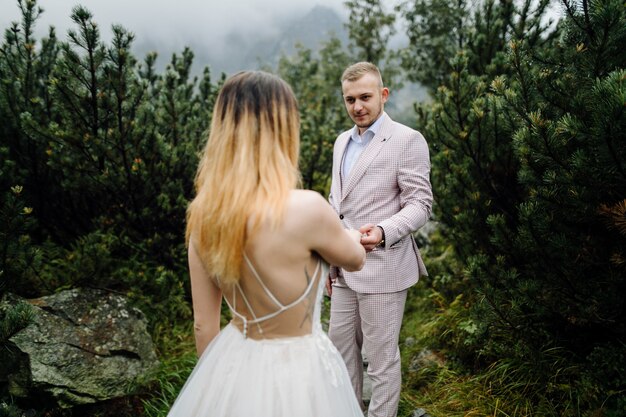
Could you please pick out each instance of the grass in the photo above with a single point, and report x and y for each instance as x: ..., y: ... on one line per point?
x: 177, y: 352
x: 436, y: 384
x: 178, y: 357
x: 545, y: 385
x: 431, y: 381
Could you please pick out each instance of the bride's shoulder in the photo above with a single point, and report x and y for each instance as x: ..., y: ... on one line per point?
x: 306, y: 197
x: 307, y: 202
x: 308, y: 214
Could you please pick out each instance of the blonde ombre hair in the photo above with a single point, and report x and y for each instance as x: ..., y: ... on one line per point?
x: 248, y: 167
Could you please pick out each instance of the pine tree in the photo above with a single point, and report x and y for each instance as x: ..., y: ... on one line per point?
x: 369, y: 28
x: 436, y: 30
x: 469, y: 131
x: 439, y: 29
x: 101, y: 141
x: 527, y: 131
x: 316, y: 82
x: 566, y: 246
x: 25, y: 71
x: 19, y: 257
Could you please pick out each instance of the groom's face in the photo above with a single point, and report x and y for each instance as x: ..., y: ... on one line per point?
x: 364, y: 99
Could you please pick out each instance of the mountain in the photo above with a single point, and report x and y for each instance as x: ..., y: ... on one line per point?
x: 236, y: 51
x: 310, y: 31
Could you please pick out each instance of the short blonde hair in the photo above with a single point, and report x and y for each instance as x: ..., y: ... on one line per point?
x: 247, y: 170
x: 356, y: 71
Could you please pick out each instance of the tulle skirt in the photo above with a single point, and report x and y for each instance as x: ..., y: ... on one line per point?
x: 291, y: 377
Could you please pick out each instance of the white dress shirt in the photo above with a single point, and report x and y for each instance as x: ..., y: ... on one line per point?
x: 357, y: 144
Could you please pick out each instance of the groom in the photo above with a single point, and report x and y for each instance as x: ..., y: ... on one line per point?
x: 381, y: 186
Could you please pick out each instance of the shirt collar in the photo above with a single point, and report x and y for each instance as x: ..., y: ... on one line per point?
x: 365, y: 136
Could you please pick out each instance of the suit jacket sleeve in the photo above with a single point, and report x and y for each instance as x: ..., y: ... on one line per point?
x: 416, y: 197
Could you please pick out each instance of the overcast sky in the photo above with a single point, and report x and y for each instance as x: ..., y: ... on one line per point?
x: 175, y: 23
x: 175, y: 18
x: 167, y: 26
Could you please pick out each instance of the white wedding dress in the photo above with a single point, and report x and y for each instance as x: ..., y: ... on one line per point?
x: 272, y: 360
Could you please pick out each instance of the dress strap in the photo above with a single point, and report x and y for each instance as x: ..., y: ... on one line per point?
x: 243, y: 318
x: 281, y: 306
x: 293, y: 303
x: 258, y: 278
x: 256, y: 320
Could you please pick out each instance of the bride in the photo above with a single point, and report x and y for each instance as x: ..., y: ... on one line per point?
x: 262, y: 245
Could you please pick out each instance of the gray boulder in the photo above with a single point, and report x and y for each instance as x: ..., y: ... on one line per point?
x: 84, y: 346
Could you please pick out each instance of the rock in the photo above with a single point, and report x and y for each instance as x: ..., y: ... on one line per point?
x: 420, y: 412
x: 409, y: 341
x: 84, y: 346
x: 425, y: 359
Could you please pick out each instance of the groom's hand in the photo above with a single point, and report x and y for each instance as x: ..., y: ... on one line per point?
x: 371, y: 236
x: 329, y: 286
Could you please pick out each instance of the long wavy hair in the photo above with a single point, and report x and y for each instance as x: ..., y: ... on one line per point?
x: 248, y: 167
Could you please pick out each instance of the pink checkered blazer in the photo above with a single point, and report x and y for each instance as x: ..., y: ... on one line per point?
x: 389, y: 186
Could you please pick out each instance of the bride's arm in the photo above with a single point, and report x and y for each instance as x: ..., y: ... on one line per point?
x: 207, y: 302
x: 326, y: 235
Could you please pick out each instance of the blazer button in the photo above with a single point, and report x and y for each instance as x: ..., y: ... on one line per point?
x: 341, y: 216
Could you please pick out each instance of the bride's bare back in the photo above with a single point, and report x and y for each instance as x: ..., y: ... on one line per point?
x: 289, y: 261
x: 279, y: 282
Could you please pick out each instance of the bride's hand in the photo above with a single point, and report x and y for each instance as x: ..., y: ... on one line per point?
x: 355, y: 235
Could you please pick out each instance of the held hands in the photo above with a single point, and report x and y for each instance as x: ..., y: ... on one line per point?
x: 368, y: 235
x: 371, y: 236
x: 354, y: 234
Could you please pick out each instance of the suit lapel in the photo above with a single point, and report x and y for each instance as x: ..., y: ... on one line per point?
x: 338, y: 185
x: 367, y: 157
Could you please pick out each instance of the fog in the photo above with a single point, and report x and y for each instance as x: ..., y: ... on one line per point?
x: 207, y: 26
x: 174, y: 22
